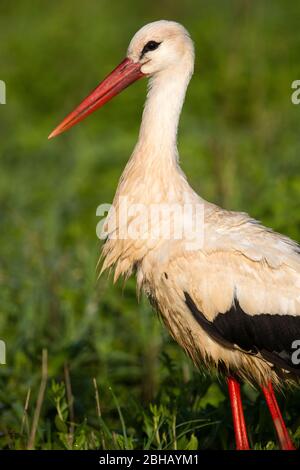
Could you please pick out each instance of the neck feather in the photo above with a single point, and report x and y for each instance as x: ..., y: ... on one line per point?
x: 158, y: 132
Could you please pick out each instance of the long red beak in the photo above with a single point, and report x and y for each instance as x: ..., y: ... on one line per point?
x: 121, y: 77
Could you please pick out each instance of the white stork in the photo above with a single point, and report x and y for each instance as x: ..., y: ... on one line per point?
x: 233, y: 302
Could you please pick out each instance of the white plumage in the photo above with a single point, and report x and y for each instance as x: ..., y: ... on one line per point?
x: 239, y: 258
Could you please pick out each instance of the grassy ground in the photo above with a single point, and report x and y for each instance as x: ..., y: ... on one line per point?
x: 131, y: 385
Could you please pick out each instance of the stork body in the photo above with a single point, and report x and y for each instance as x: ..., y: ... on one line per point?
x: 233, y: 302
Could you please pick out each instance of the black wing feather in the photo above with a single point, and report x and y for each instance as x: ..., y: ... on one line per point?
x: 271, y: 335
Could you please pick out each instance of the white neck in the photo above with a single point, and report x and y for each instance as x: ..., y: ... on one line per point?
x: 155, y: 157
x: 158, y: 131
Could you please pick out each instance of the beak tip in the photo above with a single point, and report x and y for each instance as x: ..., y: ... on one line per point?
x: 53, y: 134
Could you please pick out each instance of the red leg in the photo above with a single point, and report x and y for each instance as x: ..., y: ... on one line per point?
x: 239, y: 425
x: 281, y: 430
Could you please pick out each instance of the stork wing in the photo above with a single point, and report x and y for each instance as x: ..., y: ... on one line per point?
x: 248, y: 292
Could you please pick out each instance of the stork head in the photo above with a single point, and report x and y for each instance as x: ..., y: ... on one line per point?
x: 161, y: 45
x: 154, y: 49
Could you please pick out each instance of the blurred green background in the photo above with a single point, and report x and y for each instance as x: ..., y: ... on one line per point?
x: 239, y: 145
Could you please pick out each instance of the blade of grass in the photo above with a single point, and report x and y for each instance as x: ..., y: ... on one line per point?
x: 191, y: 430
x: 40, y: 399
x: 121, y: 418
x: 70, y: 400
x: 99, y: 412
x: 155, y: 430
x: 25, y: 413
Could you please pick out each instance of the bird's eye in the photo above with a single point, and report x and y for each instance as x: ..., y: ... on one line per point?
x: 150, y: 46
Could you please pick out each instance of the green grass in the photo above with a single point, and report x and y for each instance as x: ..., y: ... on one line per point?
x: 239, y: 145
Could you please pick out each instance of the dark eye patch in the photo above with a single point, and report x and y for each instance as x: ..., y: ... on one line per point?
x: 150, y: 46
